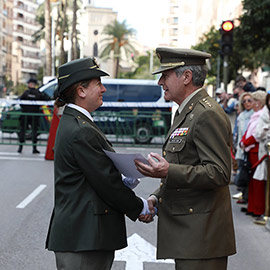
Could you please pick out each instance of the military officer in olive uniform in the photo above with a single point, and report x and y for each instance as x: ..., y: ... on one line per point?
x: 195, y: 225
x: 91, y: 200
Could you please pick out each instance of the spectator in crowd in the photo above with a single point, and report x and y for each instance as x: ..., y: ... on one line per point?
x: 31, y: 94
x: 226, y: 101
x: 256, y: 188
x: 261, y: 88
x: 262, y: 136
x: 242, y: 81
x: 245, y: 112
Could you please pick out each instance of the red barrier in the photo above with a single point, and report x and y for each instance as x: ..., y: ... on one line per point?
x: 54, y: 125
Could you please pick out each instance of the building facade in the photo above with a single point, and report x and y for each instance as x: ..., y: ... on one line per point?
x: 25, y: 52
x: 91, y: 24
x: 187, y: 21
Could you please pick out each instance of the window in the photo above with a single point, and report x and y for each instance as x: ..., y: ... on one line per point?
x: 95, y: 50
x: 111, y: 93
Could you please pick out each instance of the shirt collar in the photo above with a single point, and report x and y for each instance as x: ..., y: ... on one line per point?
x: 80, y: 109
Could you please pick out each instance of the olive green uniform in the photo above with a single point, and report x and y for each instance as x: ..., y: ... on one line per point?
x: 194, y: 207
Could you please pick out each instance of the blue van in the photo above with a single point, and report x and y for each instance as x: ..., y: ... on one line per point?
x: 131, y: 109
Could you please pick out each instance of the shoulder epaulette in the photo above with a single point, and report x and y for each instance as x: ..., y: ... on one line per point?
x: 206, y: 102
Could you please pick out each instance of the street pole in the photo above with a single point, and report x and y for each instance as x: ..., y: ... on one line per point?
x: 225, y: 71
x: 218, y: 72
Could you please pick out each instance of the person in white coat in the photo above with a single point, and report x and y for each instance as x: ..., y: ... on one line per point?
x: 262, y: 135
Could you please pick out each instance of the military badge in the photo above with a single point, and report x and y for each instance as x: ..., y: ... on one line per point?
x: 179, y: 132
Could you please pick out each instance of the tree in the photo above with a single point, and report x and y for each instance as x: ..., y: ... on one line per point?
x: 117, y: 42
x: 48, y: 39
x: 74, y: 36
x: 143, y: 67
x: 254, y: 27
x: 210, y: 43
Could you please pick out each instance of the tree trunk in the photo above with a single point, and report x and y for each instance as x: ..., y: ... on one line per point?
x: 117, y: 60
x: 74, y: 32
x: 62, y: 30
x: 48, y: 39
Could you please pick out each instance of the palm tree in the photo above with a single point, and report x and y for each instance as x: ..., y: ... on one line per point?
x: 48, y: 39
x: 74, y: 37
x: 117, y: 42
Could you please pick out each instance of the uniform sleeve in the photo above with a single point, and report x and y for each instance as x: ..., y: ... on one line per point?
x: 102, y: 175
x: 212, y: 140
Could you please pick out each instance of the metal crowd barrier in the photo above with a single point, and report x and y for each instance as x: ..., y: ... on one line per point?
x: 130, y: 127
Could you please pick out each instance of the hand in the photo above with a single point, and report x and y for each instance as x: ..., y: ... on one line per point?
x: 155, y: 169
x: 147, y: 218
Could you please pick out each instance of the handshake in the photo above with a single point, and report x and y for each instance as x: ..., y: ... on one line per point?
x: 149, y: 210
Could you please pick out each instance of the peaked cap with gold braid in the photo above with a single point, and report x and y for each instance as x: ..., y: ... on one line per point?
x: 76, y: 71
x: 171, y: 58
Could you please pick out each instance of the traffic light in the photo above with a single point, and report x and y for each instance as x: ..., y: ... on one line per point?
x: 226, y: 31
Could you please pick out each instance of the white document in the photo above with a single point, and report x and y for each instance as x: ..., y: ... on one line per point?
x: 125, y: 163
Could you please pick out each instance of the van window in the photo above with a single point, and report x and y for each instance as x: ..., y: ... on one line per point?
x: 111, y: 93
x: 50, y: 90
x: 132, y: 93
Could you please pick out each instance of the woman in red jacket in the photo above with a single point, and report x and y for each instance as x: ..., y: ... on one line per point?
x: 256, y: 189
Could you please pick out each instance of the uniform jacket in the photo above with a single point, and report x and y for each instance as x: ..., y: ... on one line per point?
x: 194, y: 207
x: 90, y: 197
x: 262, y: 135
x: 32, y: 94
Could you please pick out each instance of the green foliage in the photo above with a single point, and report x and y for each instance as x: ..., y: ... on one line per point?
x: 210, y: 43
x: 143, y: 68
x: 117, y: 41
x: 19, y: 89
x: 255, y: 22
x: 250, y: 44
x: 40, y: 18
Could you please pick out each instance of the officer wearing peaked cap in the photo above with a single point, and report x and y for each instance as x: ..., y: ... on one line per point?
x: 88, y: 222
x: 195, y: 225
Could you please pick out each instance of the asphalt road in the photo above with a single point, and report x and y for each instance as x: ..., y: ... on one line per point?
x: 24, y: 223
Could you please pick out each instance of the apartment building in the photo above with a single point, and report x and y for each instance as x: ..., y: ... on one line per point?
x: 187, y: 21
x: 3, y: 48
x: 25, y: 53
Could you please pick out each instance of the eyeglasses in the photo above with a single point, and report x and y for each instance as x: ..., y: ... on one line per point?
x: 247, y: 100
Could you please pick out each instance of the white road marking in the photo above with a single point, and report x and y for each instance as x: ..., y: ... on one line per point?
x: 17, y: 156
x: 137, y: 252
x: 22, y: 158
x: 31, y: 197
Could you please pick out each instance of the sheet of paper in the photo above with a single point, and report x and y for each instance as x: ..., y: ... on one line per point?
x: 125, y: 163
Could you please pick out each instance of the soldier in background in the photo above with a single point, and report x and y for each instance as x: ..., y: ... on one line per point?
x: 31, y: 94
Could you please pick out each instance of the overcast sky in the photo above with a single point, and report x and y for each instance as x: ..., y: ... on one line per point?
x: 142, y: 15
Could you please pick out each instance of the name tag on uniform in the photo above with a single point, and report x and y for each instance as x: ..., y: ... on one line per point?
x: 179, y: 132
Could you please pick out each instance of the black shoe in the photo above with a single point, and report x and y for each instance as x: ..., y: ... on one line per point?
x: 243, y: 209
x: 20, y: 149
x: 35, y: 151
x: 249, y: 214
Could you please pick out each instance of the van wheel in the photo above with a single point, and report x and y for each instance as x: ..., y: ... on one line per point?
x: 143, y: 134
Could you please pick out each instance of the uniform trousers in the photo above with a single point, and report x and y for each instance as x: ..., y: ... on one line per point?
x: 85, y: 260
x: 202, y: 264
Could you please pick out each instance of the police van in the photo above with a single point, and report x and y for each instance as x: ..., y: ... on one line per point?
x: 131, y: 108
